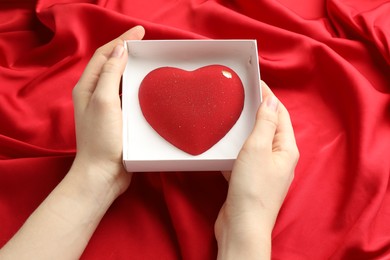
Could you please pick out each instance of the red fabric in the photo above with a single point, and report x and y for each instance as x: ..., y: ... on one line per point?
x: 328, y: 61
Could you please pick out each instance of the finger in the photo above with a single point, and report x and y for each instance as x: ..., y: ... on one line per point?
x: 102, y: 54
x: 284, y: 140
x: 88, y: 80
x: 266, y: 124
x: 265, y: 90
x: 107, y: 87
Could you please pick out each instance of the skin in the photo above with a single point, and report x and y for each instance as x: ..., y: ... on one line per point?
x: 258, y: 184
x: 62, y: 225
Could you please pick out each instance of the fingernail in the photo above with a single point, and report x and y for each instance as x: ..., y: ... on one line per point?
x: 272, y: 103
x: 117, y: 51
x: 125, y: 45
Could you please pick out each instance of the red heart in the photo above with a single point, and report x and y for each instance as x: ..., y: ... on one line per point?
x: 192, y: 110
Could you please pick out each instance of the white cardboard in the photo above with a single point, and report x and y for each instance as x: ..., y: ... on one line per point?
x: 144, y: 150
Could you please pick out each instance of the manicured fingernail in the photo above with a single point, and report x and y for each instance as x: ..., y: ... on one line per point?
x: 118, y: 51
x: 272, y: 103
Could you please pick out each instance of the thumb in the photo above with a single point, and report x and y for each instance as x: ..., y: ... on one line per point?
x: 266, y: 122
x: 110, y: 75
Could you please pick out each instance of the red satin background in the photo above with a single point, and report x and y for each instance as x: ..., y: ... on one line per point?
x: 327, y: 61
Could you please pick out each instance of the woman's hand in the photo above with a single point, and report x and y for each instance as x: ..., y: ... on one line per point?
x: 98, y: 114
x: 258, y: 184
x: 65, y: 221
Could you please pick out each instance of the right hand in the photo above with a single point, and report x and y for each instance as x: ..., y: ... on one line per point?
x: 258, y: 184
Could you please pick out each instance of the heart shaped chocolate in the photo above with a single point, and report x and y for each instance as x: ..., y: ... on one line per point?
x: 192, y: 110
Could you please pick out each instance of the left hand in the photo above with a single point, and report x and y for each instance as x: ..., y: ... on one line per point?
x: 65, y: 221
x: 98, y: 114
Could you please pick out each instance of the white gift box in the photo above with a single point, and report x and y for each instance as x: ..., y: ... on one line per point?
x: 144, y: 150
